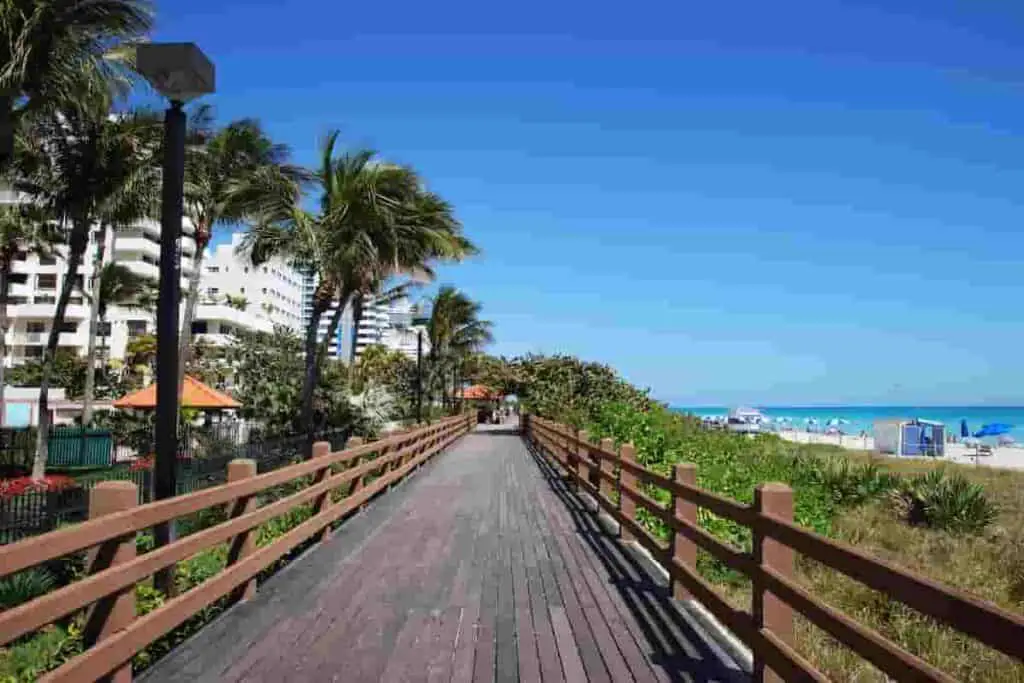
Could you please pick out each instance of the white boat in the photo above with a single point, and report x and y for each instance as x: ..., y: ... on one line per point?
x: 745, y: 420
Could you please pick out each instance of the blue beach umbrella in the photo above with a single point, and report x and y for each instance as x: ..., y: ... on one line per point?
x: 964, y: 431
x: 993, y: 429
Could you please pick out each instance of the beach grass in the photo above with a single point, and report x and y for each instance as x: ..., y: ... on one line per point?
x: 989, y: 565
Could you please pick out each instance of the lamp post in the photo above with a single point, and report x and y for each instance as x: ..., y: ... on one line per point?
x: 6, y: 128
x: 180, y: 72
x: 419, y: 323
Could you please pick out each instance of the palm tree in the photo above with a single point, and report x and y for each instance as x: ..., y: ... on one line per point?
x: 228, y: 175
x: 136, y: 199
x: 23, y: 227
x: 73, y: 163
x: 53, y: 50
x: 455, y: 331
x: 120, y: 286
x: 375, y: 221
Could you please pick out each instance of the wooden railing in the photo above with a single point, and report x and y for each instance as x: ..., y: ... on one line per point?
x: 112, y: 633
x: 613, y: 478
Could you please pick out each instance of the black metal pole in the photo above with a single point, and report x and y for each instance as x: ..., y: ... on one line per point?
x: 419, y: 376
x: 6, y: 129
x: 165, y: 469
x: 455, y: 389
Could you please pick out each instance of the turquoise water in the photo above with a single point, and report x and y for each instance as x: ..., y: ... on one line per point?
x: 862, y: 418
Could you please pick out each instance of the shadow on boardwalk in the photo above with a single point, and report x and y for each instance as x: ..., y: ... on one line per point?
x: 483, y: 567
x: 679, y: 646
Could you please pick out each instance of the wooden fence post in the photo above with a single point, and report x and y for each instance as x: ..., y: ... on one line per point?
x: 321, y: 449
x: 582, y: 456
x: 352, y: 442
x: 608, y: 467
x: 116, y: 611
x: 243, y: 544
x: 769, y: 612
x: 627, y: 506
x: 683, y: 549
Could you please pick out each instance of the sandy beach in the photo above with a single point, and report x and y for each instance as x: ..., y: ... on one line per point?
x: 1006, y: 457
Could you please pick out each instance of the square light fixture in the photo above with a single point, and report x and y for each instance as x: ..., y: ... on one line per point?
x: 178, y: 71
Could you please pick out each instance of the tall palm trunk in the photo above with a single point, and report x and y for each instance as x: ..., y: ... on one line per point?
x: 104, y: 249
x: 6, y: 257
x: 332, y: 328
x: 310, y: 377
x: 191, y: 301
x: 322, y: 298
x: 357, y: 315
x: 76, y: 247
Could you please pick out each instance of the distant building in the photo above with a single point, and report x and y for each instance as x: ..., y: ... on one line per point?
x: 236, y: 295
x: 388, y: 324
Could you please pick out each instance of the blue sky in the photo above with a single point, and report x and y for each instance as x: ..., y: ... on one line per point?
x: 794, y: 202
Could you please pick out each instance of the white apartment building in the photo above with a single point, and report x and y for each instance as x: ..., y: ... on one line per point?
x: 234, y: 294
x: 32, y: 302
x: 272, y: 294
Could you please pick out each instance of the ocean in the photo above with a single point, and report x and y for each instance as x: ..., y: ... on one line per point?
x: 862, y: 418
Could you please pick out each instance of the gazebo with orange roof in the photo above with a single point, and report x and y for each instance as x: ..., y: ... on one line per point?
x: 194, y: 394
x: 479, y: 392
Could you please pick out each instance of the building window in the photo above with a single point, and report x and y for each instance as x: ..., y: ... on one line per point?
x: 103, y: 329
x: 213, y: 269
x: 246, y: 270
x: 69, y: 327
x: 33, y: 352
x: 35, y: 327
x: 213, y: 290
x: 199, y: 327
x: 21, y: 256
x: 48, y: 281
x: 241, y: 290
x: 45, y: 260
x: 45, y: 299
x: 136, y: 328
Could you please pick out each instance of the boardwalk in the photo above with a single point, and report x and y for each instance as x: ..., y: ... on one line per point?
x: 480, y: 568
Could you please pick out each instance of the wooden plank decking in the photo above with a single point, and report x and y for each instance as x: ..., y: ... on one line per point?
x: 481, y: 568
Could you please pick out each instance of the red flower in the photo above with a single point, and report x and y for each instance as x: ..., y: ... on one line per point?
x: 20, y: 485
x: 143, y: 463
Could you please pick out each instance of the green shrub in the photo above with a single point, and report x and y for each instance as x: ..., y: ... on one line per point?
x: 25, y: 586
x: 947, y: 502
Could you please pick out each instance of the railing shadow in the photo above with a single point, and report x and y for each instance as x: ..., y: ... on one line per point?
x: 681, y: 651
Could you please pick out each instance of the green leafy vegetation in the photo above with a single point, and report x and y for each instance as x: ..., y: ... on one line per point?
x: 944, y: 502
x: 25, y: 586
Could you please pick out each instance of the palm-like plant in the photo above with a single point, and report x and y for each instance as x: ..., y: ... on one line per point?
x: 22, y: 227
x: 229, y: 174
x: 53, y: 50
x: 455, y: 331
x: 120, y: 286
x: 137, y: 198
x: 375, y: 221
x: 73, y: 163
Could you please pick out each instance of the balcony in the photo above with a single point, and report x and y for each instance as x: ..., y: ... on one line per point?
x: 222, y: 313
x: 44, y: 311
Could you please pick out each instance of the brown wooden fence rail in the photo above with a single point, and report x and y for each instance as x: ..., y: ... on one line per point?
x: 112, y: 633
x: 767, y: 629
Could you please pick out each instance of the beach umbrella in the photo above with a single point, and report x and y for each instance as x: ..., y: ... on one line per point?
x: 964, y: 431
x: 993, y: 429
